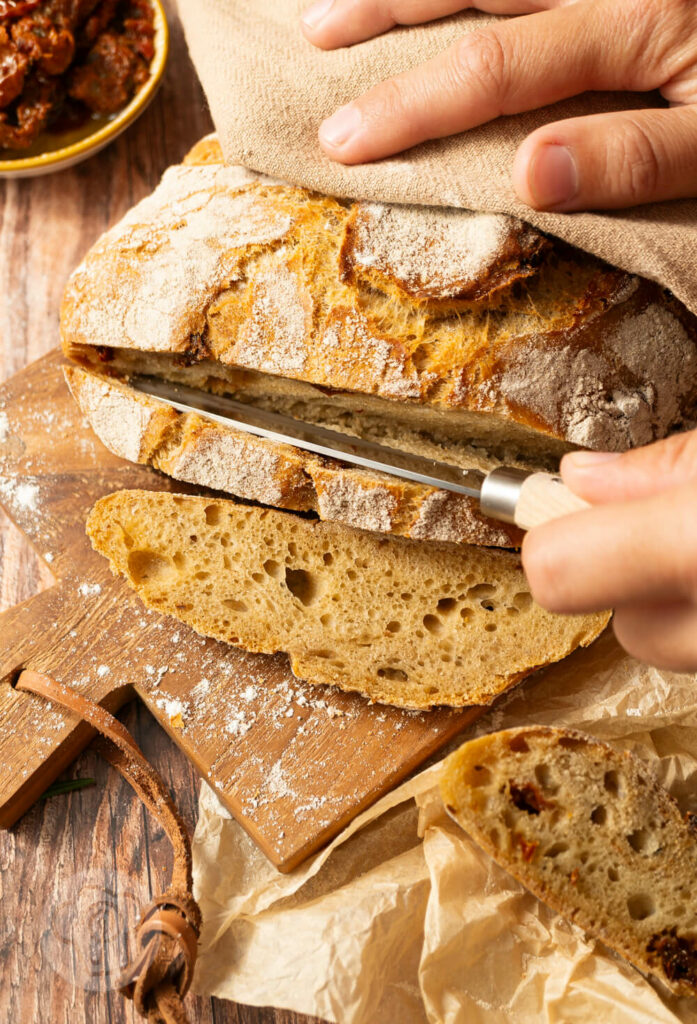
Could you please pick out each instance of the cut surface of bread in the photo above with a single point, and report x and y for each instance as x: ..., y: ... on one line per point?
x: 198, y: 451
x: 403, y: 622
x: 590, y: 831
x: 483, y: 328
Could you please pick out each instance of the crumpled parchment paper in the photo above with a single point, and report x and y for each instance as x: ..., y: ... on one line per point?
x: 404, y: 920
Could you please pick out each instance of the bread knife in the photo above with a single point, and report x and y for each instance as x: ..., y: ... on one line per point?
x: 508, y: 494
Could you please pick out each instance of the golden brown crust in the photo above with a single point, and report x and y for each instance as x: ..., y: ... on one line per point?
x: 432, y: 254
x: 226, y: 271
x: 206, y: 151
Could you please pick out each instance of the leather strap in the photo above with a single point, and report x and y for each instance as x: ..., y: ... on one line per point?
x: 167, y: 938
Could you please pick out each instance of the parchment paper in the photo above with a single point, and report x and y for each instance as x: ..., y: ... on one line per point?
x: 403, y: 920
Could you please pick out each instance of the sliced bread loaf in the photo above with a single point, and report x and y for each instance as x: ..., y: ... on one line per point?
x: 591, y: 833
x: 469, y: 325
x: 201, y: 452
x: 407, y: 623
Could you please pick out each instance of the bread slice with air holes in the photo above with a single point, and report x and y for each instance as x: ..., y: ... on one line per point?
x: 591, y: 833
x: 404, y: 622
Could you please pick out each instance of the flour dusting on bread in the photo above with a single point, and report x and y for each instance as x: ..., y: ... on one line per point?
x: 152, y: 276
x: 453, y: 312
x: 430, y: 252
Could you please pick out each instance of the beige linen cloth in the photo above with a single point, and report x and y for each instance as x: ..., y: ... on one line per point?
x: 402, y: 920
x: 268, y: 90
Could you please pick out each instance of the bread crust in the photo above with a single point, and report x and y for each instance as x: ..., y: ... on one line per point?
x: 197, y: 451
x: 402, y: 622
x: 588, y: 830
x: 222, y: 269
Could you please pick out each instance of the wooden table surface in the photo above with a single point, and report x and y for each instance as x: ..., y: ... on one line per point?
x: 76, y: 868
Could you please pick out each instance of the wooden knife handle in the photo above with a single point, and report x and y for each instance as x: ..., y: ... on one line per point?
x: 527, y: 499
x: 544, y: 497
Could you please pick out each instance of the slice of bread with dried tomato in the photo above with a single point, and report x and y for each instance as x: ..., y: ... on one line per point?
x: 590, y: 832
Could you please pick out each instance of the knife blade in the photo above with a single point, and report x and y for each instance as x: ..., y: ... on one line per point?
x: 276, y: 426
x: 507, y: 494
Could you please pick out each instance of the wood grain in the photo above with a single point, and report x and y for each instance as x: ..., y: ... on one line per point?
x: 292, y: 762
x: 46, y: 224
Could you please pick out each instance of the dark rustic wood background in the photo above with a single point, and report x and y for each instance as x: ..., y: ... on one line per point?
x: 76, y: 868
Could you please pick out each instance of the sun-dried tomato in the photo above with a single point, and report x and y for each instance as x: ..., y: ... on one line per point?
x: 527, y: 849
x: 95, y: 52
x: 527, y: 797
x: 678, y: 955
x: 16, y: 8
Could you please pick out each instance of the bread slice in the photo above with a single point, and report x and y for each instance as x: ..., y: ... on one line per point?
x: 591, y: 833
x: 473, y: 328
x: 403, y: 622
x: 201, y: 452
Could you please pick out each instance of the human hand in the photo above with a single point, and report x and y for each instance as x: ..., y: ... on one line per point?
x: 557, y: 49
x: 635, y: 551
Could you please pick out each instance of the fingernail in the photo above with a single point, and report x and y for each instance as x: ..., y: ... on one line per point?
x: 589, y: 460
x: 314, y: 14
x: 553, y: 176
x: 339, y: 128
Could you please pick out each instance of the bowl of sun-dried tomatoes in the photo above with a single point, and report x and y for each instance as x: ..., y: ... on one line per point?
x: 74, y: 74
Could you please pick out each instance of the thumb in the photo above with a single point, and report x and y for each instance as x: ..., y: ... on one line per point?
x: 601, y: 477
x: 609, y: 161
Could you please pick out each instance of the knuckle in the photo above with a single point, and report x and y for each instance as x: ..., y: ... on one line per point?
x: 480, y: 58
x: 636, y: 162
x: 388, y: 101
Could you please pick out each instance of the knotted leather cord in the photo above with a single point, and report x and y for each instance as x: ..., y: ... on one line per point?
x: 160, y: 975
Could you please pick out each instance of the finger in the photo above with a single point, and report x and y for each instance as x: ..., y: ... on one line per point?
x: 660, y: 635
x: 600, y: 477
x: 612, y: 555
x: 609, y: 161
x: 505, y: 68
x: 332, y: 23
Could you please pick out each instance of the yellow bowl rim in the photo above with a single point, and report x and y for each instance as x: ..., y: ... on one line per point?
x: 129, y: 113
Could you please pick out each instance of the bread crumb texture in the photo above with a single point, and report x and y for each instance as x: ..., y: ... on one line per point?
x: 443, y: 309
x: 590, y: 831
x: 403, y: 622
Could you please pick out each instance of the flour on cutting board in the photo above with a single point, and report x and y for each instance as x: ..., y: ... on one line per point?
x: 23, y: 496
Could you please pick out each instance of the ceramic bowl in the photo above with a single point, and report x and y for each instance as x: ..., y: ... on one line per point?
x: 56, y: 151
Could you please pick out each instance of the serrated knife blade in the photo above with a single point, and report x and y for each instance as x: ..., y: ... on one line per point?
x: 510, y: 495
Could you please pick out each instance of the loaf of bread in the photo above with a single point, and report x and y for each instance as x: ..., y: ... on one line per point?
x: 464, y: 328
x: 404, y: 622
x: 592, y: 834
x: 202, y: 452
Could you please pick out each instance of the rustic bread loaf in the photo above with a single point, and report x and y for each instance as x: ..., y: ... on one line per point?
x: 465, y: 325
x: 589, y: 831
x: 198, y: 451
x: 404, y: 622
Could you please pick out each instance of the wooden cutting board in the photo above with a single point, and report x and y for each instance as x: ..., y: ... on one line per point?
x: 293, y: 763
